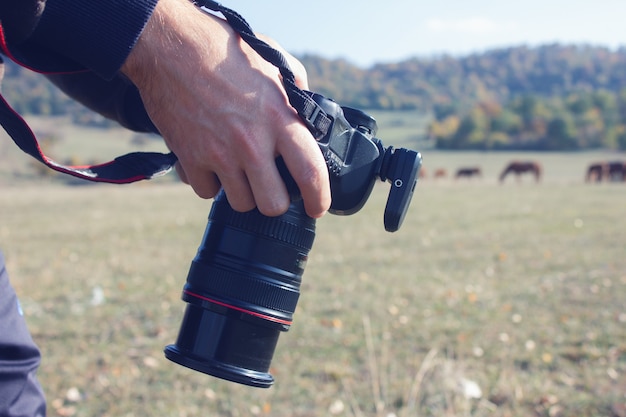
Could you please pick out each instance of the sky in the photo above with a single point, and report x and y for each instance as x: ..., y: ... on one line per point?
x: 370, y: 32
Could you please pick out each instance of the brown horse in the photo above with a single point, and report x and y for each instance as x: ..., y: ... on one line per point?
x: 595, y: 172
x: 468, y: 172
x: 522, y: 167
x: 616, y: 171
x: 440, y: 173
x: 606, y: 171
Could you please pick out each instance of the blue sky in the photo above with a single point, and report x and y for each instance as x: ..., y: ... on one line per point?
x: 367, y: 32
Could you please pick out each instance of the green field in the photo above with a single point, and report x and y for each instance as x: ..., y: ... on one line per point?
x: 518, y: 289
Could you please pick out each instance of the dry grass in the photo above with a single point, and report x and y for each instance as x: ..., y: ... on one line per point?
x: 492, y: 300
x: 517, y: 290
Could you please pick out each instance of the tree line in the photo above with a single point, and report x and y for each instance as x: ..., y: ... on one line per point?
x: 575, y: 121
x: 550, y: 97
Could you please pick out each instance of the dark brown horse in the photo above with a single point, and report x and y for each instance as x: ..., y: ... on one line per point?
x: 606, y: 171
x: 616, y: 171
x: 468, y: 172
x: 522, y: 167
x: 595, y: 172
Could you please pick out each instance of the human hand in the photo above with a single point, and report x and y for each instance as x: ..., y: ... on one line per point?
x: 222, y: 110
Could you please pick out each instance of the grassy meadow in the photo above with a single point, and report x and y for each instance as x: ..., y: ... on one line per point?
x: 492, y: 300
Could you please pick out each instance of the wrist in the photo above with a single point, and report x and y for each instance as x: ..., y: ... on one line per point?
x: 155, y: 40
x: 174, y: 43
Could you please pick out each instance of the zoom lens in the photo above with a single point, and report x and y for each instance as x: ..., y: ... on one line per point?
x: 242, y: 290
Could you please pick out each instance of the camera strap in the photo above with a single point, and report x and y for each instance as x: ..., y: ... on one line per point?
x: 138, y: 166
x: 124, y: 169
x: 135, y: 166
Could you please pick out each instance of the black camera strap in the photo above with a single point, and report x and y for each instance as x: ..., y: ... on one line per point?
x: 138, y: 166
x: 124, y: 169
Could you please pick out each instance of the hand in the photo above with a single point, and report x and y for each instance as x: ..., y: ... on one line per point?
x: 222, y: 110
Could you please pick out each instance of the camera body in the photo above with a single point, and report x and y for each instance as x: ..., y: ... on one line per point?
x: 356, y: 159
x: 244, y: 282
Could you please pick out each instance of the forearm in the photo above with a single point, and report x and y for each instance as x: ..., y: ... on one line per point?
x: 98, y: 36
x: 115, y: 99
x: 94, y: 35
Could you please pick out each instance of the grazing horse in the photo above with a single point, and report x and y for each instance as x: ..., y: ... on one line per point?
x: 440, y: 173
x: 595, y: 172
x: 522, y: 167
x: 468, y: 172
x: 609, y: 171
x: 616, y: 171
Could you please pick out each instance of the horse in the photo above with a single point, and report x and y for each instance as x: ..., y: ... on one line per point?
x: 522, y: 167
x: 440, y: 173
x: 616, y: 171
x: 595, y: 172
x: 468, y: 172
x: 609, y: 171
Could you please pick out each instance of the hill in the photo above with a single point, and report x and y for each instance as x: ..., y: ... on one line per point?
x: 423, y: 83
x: 546, y: 97
x: 500, y: 75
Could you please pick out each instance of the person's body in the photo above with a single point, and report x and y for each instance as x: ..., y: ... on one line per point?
x: 161, y: 66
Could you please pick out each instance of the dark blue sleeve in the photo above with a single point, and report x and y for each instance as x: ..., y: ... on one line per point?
x: 117, y: 99
x: 79, y: 34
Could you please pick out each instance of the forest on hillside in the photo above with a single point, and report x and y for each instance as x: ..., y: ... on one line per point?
x: 551, y: 97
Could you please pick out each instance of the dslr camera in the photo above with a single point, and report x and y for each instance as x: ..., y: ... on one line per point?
x: 244, y: 282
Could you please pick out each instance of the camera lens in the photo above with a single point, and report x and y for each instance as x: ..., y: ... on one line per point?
x: 242, y: 289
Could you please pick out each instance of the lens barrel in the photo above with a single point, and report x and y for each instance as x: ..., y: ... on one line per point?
x: 242, y: 289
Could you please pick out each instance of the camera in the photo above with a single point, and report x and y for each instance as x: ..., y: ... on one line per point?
x: 244, y: 283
